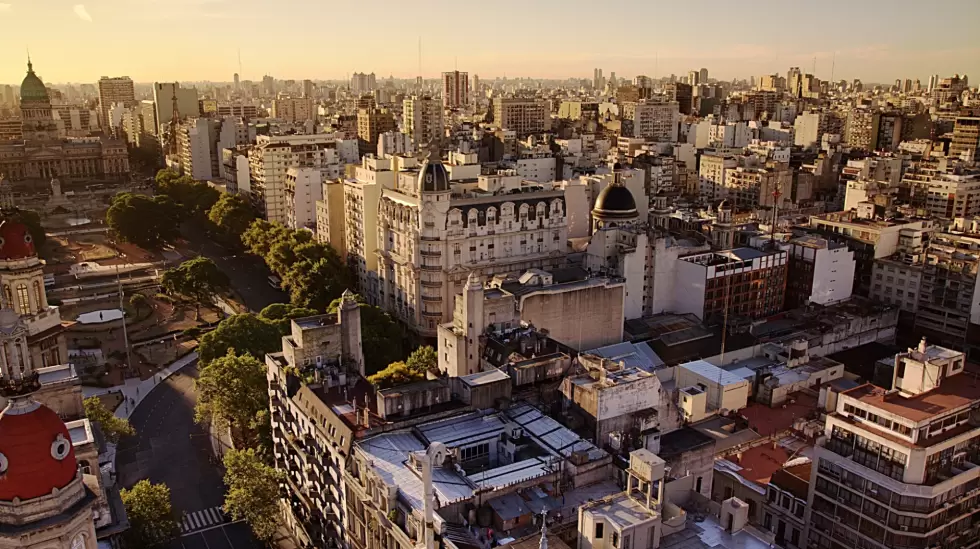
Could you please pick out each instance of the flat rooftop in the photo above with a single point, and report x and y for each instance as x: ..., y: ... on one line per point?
x: 955, y: 392
x: 622, y: 511
x: 769, y: 421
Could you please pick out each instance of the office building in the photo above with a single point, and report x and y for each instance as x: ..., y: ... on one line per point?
x: 522, y: 116
x: 118, y: 90
x: 895, y: 466
x: 681, y: 94
x: 455, y: 90
x: 742, y: 282
x: 422, y: 120
x: 164, y: 94
x: 361, y: 83
x: 247, y: 112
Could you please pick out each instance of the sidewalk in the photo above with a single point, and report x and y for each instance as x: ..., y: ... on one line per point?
x: 134, y: 390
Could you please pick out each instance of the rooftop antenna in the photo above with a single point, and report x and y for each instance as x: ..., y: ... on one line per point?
x: 814, y: 66
x: 833, y: 65
x: 418, y: 82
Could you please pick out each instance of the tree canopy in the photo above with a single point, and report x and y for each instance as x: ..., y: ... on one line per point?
x: 381, y: 337
x: 113, y: 428
x: 280, y: 315
x: 244, y: 333
x: 253, y: 492
x: 261, y: 235
x: 232, y: 214
x: 144, y: 221
x: 232, y: 390
x: 194, y: 197
x: 397, y: 373
x: 424, y: 359
x: 151, y: 517
x: 198, y: 279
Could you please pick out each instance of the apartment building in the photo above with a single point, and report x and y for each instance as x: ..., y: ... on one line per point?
x: 966, y: 137
x: 821, y: 271
x: 431, y: 234
x: 633, y: 518
x: 195, y: 147
x: 247, y: 112
x: 422, y: 120
x: 862, y: 129
x: 293, y: 109
x: 520, y: 115
x: 897, y: 467
x: 455, y: 89
x: 272, y: 157
x: 330, y: 220
x: 711, y: 174
x: 897, y: 278
x: 114, y: 91
x: 785, y: 505
x: 952, y: 195
x: 371, y: 123
x: 748, y: 187
x: 653, y: 121
x: 304, y: 188
x: 867, y: 237
x: 741, y: 282
x: 311, y: 385
x: 949, y: 294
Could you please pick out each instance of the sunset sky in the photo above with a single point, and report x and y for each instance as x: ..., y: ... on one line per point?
x: 190, y: 40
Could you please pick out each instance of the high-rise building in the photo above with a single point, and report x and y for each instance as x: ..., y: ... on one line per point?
x: 196, y: 138
x: 894, y: 465
x: 422, y: 119
x: 949, y: 295
x: 308, y: 89
x: 524, y: 116
x: 794, y: 81
x: 371, y: 123
x: 862, y: 128
x: 238, y: 83
x: 293, y: 109
x: 743, y: 281
x: 111, y: 91
x: 682, y: 94
x: 361, y: 83
x: 693, y: 78
x: 703, y: 76
x: 966, y: 137
x: 163, y: 97
x: 455, y: 89
x: 653, y: 120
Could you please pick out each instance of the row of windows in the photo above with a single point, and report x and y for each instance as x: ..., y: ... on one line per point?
x: 875, y: 418
x: 478, y: 451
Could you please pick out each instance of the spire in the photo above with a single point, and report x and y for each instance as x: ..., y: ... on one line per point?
x: 30, y: 66
x: 543, y: 544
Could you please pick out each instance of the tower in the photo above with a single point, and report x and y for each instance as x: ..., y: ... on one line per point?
x: 350, y: 323
x: 722, y: 229
x: 35, y: 108
x: 473, y: 307
x: 174, y: 123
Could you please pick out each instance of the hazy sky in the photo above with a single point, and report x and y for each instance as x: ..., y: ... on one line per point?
x: 875, y: 40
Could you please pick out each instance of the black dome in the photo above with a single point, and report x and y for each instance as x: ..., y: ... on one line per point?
x: 433, y: 177
x: 615, y: 201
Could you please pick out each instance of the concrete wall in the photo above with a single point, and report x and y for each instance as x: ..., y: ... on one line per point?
x: 583, y: 318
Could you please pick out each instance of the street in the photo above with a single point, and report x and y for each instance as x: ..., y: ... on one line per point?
x: 248, y: 273
x: 169, y: 447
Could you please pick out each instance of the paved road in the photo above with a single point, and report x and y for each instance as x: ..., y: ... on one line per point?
x: 170, y: 447
x: 249, y: 275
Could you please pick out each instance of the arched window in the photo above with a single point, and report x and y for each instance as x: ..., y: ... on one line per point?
x: 23, y: 299
x: 38, y: 295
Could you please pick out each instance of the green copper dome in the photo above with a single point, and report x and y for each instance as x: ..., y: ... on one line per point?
x: 32, y: 89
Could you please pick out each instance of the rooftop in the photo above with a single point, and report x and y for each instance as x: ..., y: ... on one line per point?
x: 683, y: 440
x: 621, y: 511
x: 756, y: 464
x: 955, y: 392
x: 708, y: 370
x: 633, y: 355
x: 770, y: 421
x: 708, y: 534
x: 485, y: 378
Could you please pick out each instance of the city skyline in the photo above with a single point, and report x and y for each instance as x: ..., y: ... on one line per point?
x: 165, y: 41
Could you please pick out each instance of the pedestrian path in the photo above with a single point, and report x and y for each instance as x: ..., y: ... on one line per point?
x: 201, y: 520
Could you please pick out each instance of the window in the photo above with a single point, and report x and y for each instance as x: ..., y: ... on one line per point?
x: 598, y: 530
x: 615, y: 539
x: 38, y: 294
x: 23, y: 300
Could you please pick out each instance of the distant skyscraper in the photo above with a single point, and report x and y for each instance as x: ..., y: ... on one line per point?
x: 476, y: 83
x: 597, y: 82
x: 237, y: 82
x: 455, y: 89
x: 703, y: 76
x: 361, y: 83
x: 612, y: 79
x: 307, y: 88
x: 114, y: 90
x: 693, y: 78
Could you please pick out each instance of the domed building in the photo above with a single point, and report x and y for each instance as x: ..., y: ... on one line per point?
x: 45, y: 502
x: 614, y: 207
x: 43, y: 153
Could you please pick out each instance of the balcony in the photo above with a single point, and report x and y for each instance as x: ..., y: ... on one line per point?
x: 433, y: 253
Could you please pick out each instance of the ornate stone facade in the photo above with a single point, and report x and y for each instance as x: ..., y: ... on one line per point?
x: 42, y: 155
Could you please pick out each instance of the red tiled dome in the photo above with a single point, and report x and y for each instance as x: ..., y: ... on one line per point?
x: 15, y: 241
x: 29, y: 442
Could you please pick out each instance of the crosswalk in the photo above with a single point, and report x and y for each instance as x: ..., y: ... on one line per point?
x: 199, y: 520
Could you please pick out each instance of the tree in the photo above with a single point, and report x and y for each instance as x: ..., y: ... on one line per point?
x: 32, y: 220
x: 422, y: 360
x: 253, y: 492
x: 315, y: 285
x: 113, y: 428
x: 231, y: 390
x: 245, y: 334
x: 151, y: 517
x: 198, y: 279
x: 232, y: 214
x: 146, y: 222
x: 280, y: 315
x: 381, y: 336
x: 138, y: 302
x: 165, y: 176
x: 194, y: 197
x: 397, y: 373
x: 285, y: 252
x: 261, y: 235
